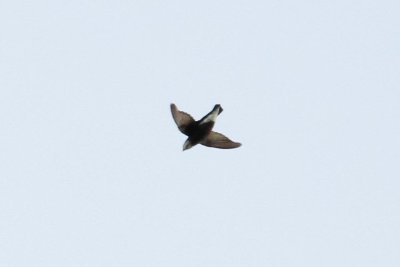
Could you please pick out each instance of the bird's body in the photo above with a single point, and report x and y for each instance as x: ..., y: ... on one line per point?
x: 201, y: 131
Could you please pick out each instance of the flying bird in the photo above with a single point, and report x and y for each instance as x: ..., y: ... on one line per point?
x: 199, y: 132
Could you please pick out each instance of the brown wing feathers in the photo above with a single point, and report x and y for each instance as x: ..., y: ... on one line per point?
x: 218, y: 140
x: 182, y: 119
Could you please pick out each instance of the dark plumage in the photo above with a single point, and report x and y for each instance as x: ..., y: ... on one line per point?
x: 199, y: 132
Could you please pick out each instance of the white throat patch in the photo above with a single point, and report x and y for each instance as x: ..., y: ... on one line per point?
x: 212, y: 117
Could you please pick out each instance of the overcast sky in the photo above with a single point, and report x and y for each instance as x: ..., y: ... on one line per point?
x: 92, y: 171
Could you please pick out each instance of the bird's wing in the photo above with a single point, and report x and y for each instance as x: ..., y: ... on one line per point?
x: 218, y: 140
x: 182, y: 119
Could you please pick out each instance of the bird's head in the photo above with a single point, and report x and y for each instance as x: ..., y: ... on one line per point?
x: 218, y: 106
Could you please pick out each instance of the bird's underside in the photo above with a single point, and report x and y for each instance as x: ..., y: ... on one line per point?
x: 200, y: 132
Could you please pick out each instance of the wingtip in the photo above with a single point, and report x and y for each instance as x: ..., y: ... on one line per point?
x: 173, y: 107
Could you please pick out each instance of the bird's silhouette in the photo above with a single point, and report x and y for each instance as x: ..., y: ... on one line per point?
x: 199, y: 132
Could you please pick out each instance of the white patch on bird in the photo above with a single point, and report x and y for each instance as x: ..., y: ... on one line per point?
x: 212, y: 117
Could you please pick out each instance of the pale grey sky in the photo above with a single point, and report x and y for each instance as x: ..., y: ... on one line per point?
x: 92, y: 171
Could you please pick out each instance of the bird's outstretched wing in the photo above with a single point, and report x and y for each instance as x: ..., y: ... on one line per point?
x: 182, y: 119
x: 218, y: 140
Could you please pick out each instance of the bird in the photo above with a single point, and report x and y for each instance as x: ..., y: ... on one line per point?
x: 200, y: 132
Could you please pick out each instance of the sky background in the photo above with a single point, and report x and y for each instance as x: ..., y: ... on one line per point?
x: 92, y: 171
